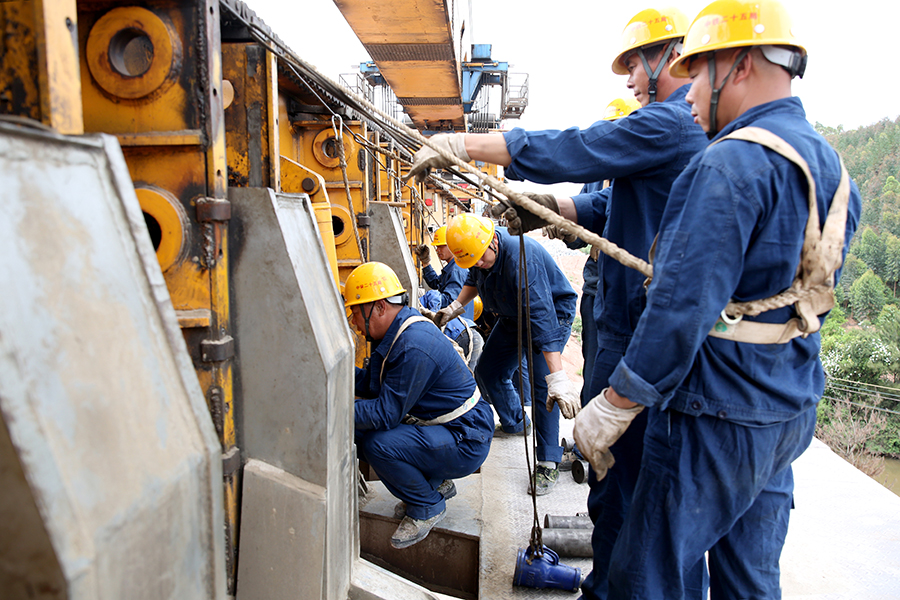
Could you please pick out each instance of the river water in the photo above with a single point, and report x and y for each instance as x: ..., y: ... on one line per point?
x: 891, y: 476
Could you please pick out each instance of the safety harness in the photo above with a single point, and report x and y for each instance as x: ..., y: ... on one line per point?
x: 445, y: 418
x: 820, y: 257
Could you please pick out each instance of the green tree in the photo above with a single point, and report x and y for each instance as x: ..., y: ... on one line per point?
x: 892, y: 261
x: 888, y: 324
x: 890, y: 206
x: 834, y: 324
x: 870, y: 248
x: 861, y: 355
x: 867, y: 296
x: 840, y: 298
x: 853, y: 270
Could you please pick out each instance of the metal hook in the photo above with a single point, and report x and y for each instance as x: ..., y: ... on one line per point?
x: 730, y: 320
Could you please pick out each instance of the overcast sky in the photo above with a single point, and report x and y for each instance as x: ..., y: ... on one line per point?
x: 851, y: 79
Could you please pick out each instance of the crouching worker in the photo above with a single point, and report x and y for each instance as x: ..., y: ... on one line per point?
x: 419, y: 421
x: 461, y: 330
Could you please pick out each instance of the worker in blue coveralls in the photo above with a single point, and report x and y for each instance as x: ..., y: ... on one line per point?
x: 419, y: 420
x: 730, y: 397
x: 492, y: 257
x: 641, y: 154
x: 596, y: 196
x: 461, y: 330
x: 449, y: 283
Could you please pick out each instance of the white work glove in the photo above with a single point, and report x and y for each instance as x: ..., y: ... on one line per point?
x: 555, y: 232
x: 448, y: 313
x: 426, y: 159
x: 560, y: 391
x: 427, y: 313
x: 423, y: 253
x: 597, y: 427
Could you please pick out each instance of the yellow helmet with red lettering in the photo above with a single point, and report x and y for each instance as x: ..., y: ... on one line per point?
x: 440, y: 236
x: 740, y: 23
x: 468, y: 236
x: 647, y: 28
x: 370, y: 282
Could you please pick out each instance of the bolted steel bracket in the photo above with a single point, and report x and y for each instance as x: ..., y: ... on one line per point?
x: 213, y: 209
x: 217, y: 350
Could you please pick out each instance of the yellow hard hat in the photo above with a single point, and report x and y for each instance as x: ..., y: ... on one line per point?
x: 468, y: 236
x: 739, y: 23
x: 440, y: 237
x: 478, y: 307
x: 648, y: 28
x: 620, y: 107
x: 370, y: 282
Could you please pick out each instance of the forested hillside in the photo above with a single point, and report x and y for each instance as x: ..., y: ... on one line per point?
x: 860, y: 414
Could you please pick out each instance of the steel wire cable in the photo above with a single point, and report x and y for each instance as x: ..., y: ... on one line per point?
x: 875, y: 408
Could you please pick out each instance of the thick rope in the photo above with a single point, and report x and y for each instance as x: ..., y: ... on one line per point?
x: 403, y: 132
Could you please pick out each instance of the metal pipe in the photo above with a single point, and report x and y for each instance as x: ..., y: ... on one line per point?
x: 569, y: 542
x: 580, y: 471
x: 567, y: 522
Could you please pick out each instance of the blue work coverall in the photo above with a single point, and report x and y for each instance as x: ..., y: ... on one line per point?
x: 726, y: 418
x: 424, y: 377
x: 642, y: 154
x: 598, y: 197
x: 458, y: 329
x: 449, y: 283
x: 551, y: 311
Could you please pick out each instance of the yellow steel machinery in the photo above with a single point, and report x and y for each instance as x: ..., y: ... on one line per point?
x: 152, y: 75
x: 207, y: 104
x: 39, y: 63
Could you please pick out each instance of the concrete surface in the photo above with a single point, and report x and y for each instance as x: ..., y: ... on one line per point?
x: 295, y: 377
x: 109, y: 464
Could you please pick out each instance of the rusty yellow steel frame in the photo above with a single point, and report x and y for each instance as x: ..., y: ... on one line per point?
x: 314, y: 145
x: 39, y: 64
x: 389, y: 188
x: 311, y: 146
x: 152, y: 75
x: 297, y: 179
x: 249, y: 136
x: 412, y: 43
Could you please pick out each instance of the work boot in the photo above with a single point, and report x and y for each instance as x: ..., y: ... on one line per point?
x: 447, y: 489
x: 546, y: 479
x: 412, y: 531
x: 500, y: 432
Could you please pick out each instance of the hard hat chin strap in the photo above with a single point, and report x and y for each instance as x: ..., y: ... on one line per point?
x: 366, y: 318
x: 714, y: 96
x: 653, y: 74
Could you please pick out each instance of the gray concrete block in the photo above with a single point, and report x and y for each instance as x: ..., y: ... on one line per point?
x: 109, y: 463
x: 283, y: 532
x: 388, y: 244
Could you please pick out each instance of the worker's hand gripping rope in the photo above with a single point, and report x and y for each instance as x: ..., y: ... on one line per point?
x: 426, y: 158
x: 521, y: 220
x: 561, y: 391
x: 597, y: 427
x: 448, y: 313
x: 555, y: 232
